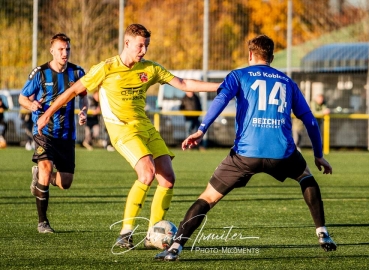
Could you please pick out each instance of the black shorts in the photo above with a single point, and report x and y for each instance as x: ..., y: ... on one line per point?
x: 61, y: 152
x: 92, y: 121
x: 236, y: 170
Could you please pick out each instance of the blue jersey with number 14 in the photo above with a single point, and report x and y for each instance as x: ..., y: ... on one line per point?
x: 265, y: 98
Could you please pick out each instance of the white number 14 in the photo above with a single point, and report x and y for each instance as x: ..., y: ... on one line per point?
x: 278, y: 87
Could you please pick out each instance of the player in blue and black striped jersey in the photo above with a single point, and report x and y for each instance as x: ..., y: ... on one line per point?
x: 56, y: 146
x: 265, y: 99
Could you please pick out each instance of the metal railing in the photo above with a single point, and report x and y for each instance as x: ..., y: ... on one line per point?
x: 327, y: 127
x: 338, y: 130
x: 350, y: 129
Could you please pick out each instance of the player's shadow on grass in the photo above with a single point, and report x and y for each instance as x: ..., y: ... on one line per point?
x: 289, y: 226
x: 348, y: 225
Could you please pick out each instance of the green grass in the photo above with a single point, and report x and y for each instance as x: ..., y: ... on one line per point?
x: 272, y: 211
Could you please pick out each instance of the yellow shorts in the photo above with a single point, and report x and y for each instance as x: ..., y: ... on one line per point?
x: 133, y: 144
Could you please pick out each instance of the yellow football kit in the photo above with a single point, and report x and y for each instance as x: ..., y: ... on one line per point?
x: 122, y: 93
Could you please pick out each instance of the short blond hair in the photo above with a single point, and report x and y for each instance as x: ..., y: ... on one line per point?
x: 134, y: 30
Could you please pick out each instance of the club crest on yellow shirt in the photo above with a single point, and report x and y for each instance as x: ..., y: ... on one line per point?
x: 143, y: 77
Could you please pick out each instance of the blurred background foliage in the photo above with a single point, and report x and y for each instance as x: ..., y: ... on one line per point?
x: 177, y: 30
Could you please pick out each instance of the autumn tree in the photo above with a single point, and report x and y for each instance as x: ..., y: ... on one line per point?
x: 176, y: 26
x: 91, y: 25
x: 15, y: 42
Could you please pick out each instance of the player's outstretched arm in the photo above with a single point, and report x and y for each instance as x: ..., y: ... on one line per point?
x: 192, y: 140
x: 190, y: 85
x: 321, y: 162
x: 70, y: 93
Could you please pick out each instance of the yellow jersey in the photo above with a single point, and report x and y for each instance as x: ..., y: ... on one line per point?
x: 122, y: 90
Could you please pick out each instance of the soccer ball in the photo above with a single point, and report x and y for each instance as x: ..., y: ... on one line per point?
x: 162, y: 234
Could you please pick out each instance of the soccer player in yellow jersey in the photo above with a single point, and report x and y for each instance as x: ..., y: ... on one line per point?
x: 122, y: 81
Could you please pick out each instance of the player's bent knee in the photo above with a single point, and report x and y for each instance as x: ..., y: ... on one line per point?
x: 306, y: 173
x: 66, y: 181
x: 170, y: 178
x: 146, y: 179
x: 308, y: 181
x: 145, y: 176
x: 167, y: 181
x: 66, y: 185
x: 211, y: 195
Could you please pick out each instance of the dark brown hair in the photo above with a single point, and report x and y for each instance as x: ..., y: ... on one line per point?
x: 262, y: 46
x: 59, y: 36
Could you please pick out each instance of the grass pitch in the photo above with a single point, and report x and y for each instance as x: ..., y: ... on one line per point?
x: 263, y: 226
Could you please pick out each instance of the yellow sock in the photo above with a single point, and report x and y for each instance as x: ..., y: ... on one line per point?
x: 160, y: 204
x: 135, y: 200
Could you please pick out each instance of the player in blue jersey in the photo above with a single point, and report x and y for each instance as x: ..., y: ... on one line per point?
x: 265, y: 98
x: 56, y: 146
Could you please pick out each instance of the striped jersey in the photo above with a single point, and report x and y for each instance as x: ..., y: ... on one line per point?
x: 47, y: 84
